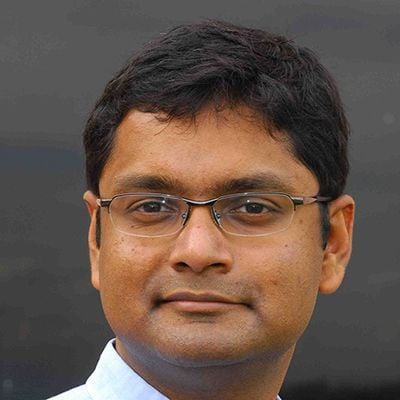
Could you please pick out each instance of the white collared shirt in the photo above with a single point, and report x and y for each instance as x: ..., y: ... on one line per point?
x: 113, y: 379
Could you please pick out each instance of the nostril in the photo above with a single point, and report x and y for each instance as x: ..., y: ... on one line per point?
x: 181, y: 266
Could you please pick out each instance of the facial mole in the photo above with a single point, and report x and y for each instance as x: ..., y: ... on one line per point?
x: 274, y: 282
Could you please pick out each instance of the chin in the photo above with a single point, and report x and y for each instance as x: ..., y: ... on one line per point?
x: 219, y: 351
x: 203, y: 357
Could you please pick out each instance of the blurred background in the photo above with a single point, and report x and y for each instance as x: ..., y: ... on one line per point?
x: 55, y: 59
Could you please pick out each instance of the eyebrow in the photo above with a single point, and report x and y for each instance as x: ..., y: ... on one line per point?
x: 146, y: 182
x: 268, y: 182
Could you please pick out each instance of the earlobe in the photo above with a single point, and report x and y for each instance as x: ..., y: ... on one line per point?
x: 94, y: 250
x: 338, y: 249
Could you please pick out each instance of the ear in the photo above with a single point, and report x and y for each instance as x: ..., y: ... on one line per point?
x: 94, y: 250
x: 338, y: 249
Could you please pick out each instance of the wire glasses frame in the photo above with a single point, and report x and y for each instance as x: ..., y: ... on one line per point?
x: 241, y: 214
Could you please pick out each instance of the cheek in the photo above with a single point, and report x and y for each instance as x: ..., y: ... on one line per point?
x: 126, y: 266
x: 287, y: 279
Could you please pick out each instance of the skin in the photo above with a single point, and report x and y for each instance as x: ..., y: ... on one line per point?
x: 241, y: 347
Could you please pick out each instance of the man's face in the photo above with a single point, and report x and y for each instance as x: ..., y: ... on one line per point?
x: 201, y: 296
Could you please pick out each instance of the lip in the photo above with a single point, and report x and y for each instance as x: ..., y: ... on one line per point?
x: 200, y: 302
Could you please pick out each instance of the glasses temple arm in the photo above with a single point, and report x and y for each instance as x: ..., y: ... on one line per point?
x: 298, y: 201
x: 103, y: 202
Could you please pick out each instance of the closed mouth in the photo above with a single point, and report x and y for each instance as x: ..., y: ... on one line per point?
x: 200, y: 301
x: 199, y: 296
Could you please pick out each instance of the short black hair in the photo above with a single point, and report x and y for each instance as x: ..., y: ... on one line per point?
x: 215, y: 62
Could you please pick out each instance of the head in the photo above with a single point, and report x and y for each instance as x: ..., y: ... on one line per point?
x: 200, y: 106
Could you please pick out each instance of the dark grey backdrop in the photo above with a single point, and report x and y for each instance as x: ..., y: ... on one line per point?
x: 56, y: 57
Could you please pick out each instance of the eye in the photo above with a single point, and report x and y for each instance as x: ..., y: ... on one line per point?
x: 151, y: 206
x: 254, y: 207
x: 150, y: 211
x: 141, y: 212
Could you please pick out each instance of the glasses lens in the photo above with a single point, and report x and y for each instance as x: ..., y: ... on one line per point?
x: 255, y: 215
x: 145, y: 216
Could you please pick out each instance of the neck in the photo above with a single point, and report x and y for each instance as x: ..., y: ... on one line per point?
x: 258, y: 378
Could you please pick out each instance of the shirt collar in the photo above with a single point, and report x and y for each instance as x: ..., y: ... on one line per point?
x: 113, y: 379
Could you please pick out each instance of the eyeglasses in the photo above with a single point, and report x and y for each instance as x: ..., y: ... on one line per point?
x: 240, y: 214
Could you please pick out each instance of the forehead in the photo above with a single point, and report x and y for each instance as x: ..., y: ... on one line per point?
x: 202, y: 156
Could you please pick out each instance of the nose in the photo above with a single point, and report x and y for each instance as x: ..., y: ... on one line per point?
x: 201, y: 245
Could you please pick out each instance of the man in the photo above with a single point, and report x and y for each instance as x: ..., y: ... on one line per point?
x: 216, y: 164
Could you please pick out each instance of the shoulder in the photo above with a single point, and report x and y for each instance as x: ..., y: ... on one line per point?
x: 78, y: 393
